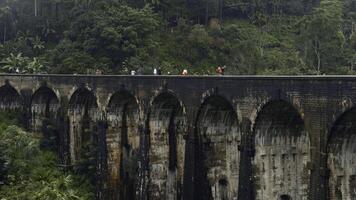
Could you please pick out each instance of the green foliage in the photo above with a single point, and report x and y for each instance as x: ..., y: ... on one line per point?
x: 108, y: 36
x: 322, y: 36
x: 20, y: 64
x: 28, y: 173
x: 248, y: 37
x: 14, y: 63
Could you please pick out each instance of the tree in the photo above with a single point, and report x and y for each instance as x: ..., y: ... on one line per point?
x: 35, y: 66
x: 14, y: 63
x: 7, y: 16
x: 322, y: 37
x: 115, y: 32
x: 28, y: 173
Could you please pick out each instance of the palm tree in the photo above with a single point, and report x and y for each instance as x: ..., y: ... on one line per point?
x: 35, y: 67
x: 14, y: 62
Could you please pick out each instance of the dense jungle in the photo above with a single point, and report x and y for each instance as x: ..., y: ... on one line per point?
x: 246, y: 37
x: 117, y: 36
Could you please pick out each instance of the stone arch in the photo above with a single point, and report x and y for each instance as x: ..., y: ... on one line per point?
x: 255, y: 112
x: 123, y: 140
x: 282, y: 153
x: 10, y: 99
x: 218, y: 159
x: 166, y: 123
x: 44, y: 107
x: 341, y: 157
x: 82, y: 113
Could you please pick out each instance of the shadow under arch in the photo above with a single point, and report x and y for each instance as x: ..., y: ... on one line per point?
x: 82, y: 113
x: 341, y: 157
x: 10, y: 99
x: 282, y: 153
x: 123, y: 141
x: 44, y: 107
x: 44, y: 112
x: 167, y: 125
x: 217, y: 154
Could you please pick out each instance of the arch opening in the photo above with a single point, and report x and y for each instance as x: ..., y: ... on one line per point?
x: 282, y: 153
x: 44, y: 107
x: 123, y: 139
x: 219, y: 138
x: 285, y: 197
x: 167, y: 145
x: 341, y: 157
x: 82, y: 115
x: 10, y: 99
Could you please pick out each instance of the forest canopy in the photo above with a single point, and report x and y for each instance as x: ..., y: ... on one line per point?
x: 117, y: 36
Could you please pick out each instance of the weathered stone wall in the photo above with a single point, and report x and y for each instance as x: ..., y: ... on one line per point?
x: 282, y: 153
x: 83, y: 113
x: 44, y: 106
x: 342, y: 158
x: 219, y: 140
x: 166, y: 149
x: 10, y: 99
x: 123, y: 141
x: 216, y: 137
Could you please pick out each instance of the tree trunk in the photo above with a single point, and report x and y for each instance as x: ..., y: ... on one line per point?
x: 352, y: 66
x: 5, y: 27
x: 35, y: 8
x: 319, y: 61
x: 207, y: 12
x: 221, y: 7
x: 317, y: 53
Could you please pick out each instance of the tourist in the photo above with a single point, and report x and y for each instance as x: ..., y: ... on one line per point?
x: 185, y: 72
x: 133, y: 72
x: 155, y: 71
x: 220, y: 71
x: 99, y: 72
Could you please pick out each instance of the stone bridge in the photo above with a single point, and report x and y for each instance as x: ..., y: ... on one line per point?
x: 199, y: 137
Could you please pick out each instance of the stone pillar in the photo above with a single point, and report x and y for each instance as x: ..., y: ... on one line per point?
x: 101, y: 160
x: 143, y: 178
x: 315, y: 118
x: 189, y: 165
x: 246, y: 188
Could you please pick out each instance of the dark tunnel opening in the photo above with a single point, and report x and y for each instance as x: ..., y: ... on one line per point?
x: 166, y: 152
x: 218, y: 155
x: 282, y: 153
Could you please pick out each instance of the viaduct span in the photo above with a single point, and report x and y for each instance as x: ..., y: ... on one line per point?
x: 199, y: 137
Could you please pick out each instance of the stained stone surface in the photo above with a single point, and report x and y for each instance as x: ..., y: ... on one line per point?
x: 10, y: 99
x: 166, y: 151
x: 44, y: 106
x: 220, y: 157
x: 282, y: 153
x: 123, y: 142
x: 342, y: 158
x: 82, y: 115
x: 173, y: 137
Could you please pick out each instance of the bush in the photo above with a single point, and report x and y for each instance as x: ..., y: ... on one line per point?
x: 28, y: 173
